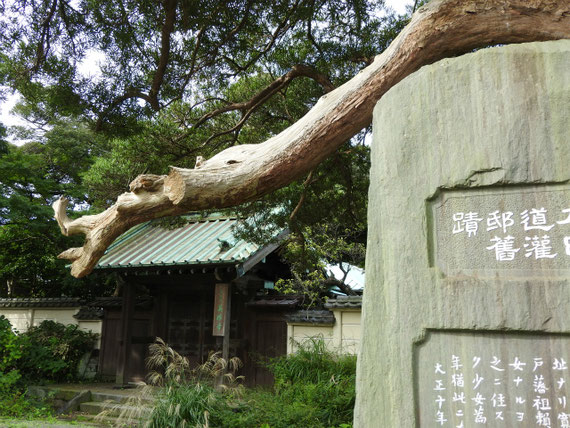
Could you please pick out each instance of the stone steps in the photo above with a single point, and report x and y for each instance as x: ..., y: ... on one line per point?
x: 107, y: 421
x: 100, y: 406
x: 119, y: 398
x: 111, y: 408
x: 106, y: 407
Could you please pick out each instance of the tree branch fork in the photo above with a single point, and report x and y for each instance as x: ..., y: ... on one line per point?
x: 246, y: 172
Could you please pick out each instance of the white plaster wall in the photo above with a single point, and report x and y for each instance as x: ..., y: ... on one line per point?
x: 300, y: 333
x: 22, y: 318
x: 94, y: 327
x: 349, y: 324
x: 63, y: 315
x: 343, y: 336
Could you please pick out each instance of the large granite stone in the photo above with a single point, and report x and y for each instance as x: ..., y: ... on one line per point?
x: 467, y: 270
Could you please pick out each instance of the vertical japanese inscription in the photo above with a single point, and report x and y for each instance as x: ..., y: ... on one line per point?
x: 220, y: 307
x: 523, y: 230
x: 469, y: 380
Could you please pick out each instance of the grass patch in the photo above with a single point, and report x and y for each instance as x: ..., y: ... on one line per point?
x: 314, y: 388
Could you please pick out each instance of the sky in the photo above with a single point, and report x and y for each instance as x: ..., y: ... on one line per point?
x: 399, y: 5
x: 9, y: 119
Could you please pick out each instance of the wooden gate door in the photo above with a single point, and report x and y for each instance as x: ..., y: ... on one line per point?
x: 190, y: 326
x: 268, y: 339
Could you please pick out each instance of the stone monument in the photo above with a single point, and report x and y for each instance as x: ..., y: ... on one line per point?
x: 467, y: 303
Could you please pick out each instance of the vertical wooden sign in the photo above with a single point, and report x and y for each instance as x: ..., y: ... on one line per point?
x: 220, y: 309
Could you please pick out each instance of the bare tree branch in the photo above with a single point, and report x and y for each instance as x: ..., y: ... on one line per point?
x: 244, y: 173
x: 45, y: 39
x: 166, y: 32
x: 248, y: 107
x: 129, y: 94
x: 308, y: 181
x: 158, y: 77
x: 279, y: 30
x: 345, y: 288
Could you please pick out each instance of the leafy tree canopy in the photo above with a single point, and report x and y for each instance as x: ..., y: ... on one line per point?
x: 182, y: 79
x: 30, y: 239
x: 159, y: 52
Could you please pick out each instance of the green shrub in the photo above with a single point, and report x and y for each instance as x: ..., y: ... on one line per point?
x: 313, y: 388
x: 312, y: 363
x: 10, y: 352
x: 19, y: 405
x: 13, y: 401
x: 318, y: 376
x: 52, y: 351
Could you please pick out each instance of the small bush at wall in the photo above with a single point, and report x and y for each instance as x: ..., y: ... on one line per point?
x: 51, y: 351
x: 10, y: 353
x: 313, y: 388
x: 13, y: 401
x: 312, y: 363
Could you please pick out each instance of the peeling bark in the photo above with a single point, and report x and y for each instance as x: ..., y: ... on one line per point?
x: 243, y: 173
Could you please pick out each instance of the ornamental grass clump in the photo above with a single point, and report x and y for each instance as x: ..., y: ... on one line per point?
x: 178, y: 395
x: 314, y: 388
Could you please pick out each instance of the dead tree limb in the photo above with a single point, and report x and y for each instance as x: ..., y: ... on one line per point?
x: 242, y: 173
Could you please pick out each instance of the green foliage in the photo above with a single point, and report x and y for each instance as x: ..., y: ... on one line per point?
x: 313, y: 362
x: 31, y: 178
x: 158, y: 53
x: 177, y: 80
x: 13, y: 401
x: 193, y: 103
x: 10, y: 353
x: 51, y: 351
x: 3, y: 143
x: 327, y: 219
x: 312, y: 286
x: 19, y: 405
x: 320, y: 377
x: 188, y: 396
x: 313, y: 388
x: 187, y: 405
x: 328, y: 206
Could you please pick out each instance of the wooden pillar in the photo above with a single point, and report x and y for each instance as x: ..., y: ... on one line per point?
x: 160, y: 315
x: 127, y: 314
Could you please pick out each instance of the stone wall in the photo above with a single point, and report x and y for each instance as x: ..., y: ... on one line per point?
x: 468, y: 261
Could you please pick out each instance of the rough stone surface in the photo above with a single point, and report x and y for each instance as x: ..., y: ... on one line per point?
x: 493, y: 121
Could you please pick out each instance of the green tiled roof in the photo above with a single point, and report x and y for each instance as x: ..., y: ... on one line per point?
x: 199, y: 242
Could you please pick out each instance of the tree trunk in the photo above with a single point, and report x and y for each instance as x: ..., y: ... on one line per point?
x: 243, y: 173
